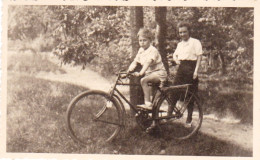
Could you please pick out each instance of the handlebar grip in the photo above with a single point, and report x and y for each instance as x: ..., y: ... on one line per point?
x: 124, y: 76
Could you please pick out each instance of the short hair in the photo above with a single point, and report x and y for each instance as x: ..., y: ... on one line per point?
x: 144, y: 32
x: 184, y: 24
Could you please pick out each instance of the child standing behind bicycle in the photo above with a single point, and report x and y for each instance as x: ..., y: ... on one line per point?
x: 188, y: 55
x: 152, y: 67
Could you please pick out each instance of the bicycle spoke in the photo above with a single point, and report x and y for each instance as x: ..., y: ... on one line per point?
x: 107, y: 122
x: 176, y: 126
x: 90, y: 118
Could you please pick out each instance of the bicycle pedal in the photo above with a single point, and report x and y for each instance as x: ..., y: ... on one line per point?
x: 150, y: 129
x: 145, y: 107
x: 164, y: 121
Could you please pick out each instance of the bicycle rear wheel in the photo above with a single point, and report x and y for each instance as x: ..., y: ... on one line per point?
x: 94, y: 117
x: 175, y: 126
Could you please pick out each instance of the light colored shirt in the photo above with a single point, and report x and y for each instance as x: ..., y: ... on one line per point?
x: 152, y: 56
x: 188, y: 50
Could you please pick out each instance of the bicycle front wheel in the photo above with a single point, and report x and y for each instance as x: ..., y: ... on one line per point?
x: 185, y: 120
x: 94, y: 117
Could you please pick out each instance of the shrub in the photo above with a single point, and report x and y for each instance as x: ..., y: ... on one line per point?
x: 28, y: 62
x: 113, y: 58
x: 39, y: 44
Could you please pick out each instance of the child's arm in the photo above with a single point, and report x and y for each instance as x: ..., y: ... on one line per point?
x: 144, y: 68
x: 132, y: 66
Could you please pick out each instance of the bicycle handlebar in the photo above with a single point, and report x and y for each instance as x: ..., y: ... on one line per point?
x: 124, y: 74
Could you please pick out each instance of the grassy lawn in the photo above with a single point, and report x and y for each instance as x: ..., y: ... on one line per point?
x: 36, y: 111
x: 228, y: 99
x: 36, y: 114
x: 36, y: 123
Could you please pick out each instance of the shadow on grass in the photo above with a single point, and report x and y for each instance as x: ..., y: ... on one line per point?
x: 136, y: 141
x: 228, y: 100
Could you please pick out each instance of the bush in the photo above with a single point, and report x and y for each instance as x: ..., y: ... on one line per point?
x: 39, y: 44
x: 113, y: 58
x: 30, y: 63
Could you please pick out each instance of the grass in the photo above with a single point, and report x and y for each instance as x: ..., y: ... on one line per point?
x: 36, y: 111
x: 228, y: 99
x: 36, y: 124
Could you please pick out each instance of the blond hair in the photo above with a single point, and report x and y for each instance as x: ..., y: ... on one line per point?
x: 143, y: 32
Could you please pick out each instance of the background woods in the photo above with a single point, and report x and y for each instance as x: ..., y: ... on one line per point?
x: 97, y: 36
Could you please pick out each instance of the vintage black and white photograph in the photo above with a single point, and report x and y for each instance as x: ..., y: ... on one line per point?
x: 130, y: 80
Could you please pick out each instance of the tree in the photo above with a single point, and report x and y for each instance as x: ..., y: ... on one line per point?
x: 161, y: 32
x: 136, y: 19
x: 27, y: 22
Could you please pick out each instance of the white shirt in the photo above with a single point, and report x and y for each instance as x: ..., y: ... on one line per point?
x: 152, y: 55
x: 188, y: 50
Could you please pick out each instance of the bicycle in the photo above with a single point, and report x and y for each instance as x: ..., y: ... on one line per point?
x: 95, y: 115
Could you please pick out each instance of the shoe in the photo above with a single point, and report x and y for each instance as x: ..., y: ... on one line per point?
x: 145, y: 106
x: 189, y: 119
x: 165, y: 121
x: 188, y: 125
x: 150, y: 129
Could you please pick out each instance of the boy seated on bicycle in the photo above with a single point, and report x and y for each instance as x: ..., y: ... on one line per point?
x: 152, y: 67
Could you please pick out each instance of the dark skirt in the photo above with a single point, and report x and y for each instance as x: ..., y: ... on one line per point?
x: 185, y: 75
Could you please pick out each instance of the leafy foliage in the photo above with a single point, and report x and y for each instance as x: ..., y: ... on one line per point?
x: 100, y: 36
x: 28, y: 22
x: 93, y: 32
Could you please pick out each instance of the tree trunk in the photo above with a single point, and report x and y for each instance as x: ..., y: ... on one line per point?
x: 222, y: 63
x: 161, y: 31
x: 136, y: 21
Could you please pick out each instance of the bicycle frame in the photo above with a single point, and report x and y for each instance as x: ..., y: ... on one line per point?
x: 146, y: 118
x: 114, y: 91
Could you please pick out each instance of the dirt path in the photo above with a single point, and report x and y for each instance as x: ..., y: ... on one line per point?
x: 234, y: 133
x: 227, y: 129
x: 77, y: 76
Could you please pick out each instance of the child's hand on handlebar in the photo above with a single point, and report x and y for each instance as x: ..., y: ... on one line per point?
x: 129, y: 72
x: 137, y: 74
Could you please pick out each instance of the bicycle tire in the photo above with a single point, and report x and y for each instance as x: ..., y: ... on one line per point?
x: 94, y: 117
x: 176, y: 127
x: 122, y: 108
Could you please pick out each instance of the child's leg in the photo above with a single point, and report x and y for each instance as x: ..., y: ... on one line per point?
x: 152, y: 78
